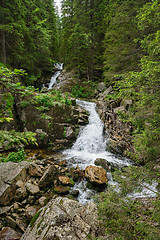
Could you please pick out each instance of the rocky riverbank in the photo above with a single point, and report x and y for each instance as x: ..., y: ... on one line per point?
x: 32, y: 187
x: 118, y: 132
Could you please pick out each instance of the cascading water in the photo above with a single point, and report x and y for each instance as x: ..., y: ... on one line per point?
x: 90, y: 145
x: 59, y: 67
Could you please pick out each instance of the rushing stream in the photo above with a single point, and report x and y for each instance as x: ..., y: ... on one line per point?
x: 90, y: 145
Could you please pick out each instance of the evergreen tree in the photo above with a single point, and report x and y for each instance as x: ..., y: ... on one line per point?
x: 28, y: 35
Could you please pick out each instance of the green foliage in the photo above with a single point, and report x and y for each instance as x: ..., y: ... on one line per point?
x: 18, y: 156
x: 35, y: 218
x: 143, y: 87
x: 29, y: 35
x: 78, y: 92
x: 48, y: 100
x: 9, y: 139
x: 125, y: 218
x: 82, y: 35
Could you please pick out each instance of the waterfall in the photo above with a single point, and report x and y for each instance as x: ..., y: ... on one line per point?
x: 59, y: 67
x: 91, y: 142
x: 90, y: 145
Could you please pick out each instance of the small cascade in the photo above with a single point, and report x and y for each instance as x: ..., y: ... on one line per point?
x: 58, y: 67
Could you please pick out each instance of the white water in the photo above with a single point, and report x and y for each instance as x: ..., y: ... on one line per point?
x: 91, y: 142
x: 58, y: 66
x: 90, y: 145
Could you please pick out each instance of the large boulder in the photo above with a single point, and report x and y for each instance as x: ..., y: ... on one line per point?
x: 64, y: 219
x: 10, y: 173
x: 96, y: 175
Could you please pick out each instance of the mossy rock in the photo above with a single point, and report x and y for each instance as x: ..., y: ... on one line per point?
x: 62, y: 189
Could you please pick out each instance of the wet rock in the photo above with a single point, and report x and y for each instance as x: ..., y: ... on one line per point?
x: 96, y: 175
x: 21, y: 194
x: 48, y: 177
x: 30, y: 212
x: 34, y: 170
x: 70, y: 132
x: 75, y: 193
x: 8, y: 233
x: 32, y: 188
x: 10, y: 173
x: 103, y: 163
x: 42, y: 201
x: 64, y: 218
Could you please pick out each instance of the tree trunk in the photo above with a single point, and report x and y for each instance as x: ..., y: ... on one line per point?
x: 2, y: 35
x: 3, y: 47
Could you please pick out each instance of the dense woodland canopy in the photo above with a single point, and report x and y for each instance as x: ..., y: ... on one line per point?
x: 115, y: 41
x: 112, y: 41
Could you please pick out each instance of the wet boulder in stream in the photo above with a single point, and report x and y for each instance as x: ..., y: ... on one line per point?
x: 96, y: 175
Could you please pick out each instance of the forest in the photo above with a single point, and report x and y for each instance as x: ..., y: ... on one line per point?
x: 116, y: 42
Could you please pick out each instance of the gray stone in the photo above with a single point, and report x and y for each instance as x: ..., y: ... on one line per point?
x: 19, y: 184
x: 30, y: 212
x: 48, y: 177
x: 4, y: 210
x: 9, y: 233
x: 64, y: 219
x: 42, y: 201
x: 32, y: 188
x: 101, y: 87
x: 34, y: 170
x: 70, y: 133
x: 10, y: 173
x: 21, y: 194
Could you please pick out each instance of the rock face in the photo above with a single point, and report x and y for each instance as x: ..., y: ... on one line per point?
x: 10, y: 173
x: 64, y: 219
x: 56, y: 128
x: 96, y: 175
x: 119, y: 132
